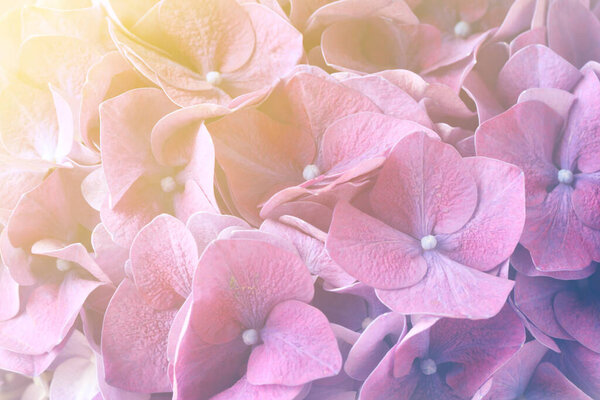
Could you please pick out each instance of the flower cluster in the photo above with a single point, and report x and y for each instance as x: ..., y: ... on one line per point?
x: 299, y: 199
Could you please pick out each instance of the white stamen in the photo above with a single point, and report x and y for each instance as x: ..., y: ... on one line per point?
x: 311, y: 171
x: 462, y: 29
x: 565, y: 176
x: 428, y: 366
x: 428, y: 242
x: 250, y: 337
x: 214, y: 78
x: 63, y: 265
x: 366, y: 322
x: 168, y: 184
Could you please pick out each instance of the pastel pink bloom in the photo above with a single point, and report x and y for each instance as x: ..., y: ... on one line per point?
x: 249, y: 333
x: 527, y: 375
x: 190, y: 49
x: 445, y: 359
x: 146, y: 312
x: 144, y: 181
x: 310, y: 136
x: 44, y: 246
x: 558, y: 153
x: 438, y: 222
x: 562, y: 309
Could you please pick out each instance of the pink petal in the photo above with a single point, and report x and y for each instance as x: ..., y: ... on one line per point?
x: 535, y: 66
x: 244, y: 390
x: 228, y: 277
x: 362, y: 136
x: 534, y: 296
x: 203, y: 370
x: 586, y: 199
x: 276, y: 41
x: 298, y: 347
x: 163, y: 259
x: 9, y: 294
x: 63, y: 386
x: 126, y: 123
x: 424, y: 188
x: 109, y: 256
x: 573, y: 32
x: 488, y: 344
x: 579, y: 316
x: 205, y: 227
x: 581, y: 141
x: 495, y: 228
x: 370, y: 348
x: 511, y: 380
x: 134, y: 328
x: 527, y: 142
x: 210, y: 45
x: 372, y: 251
x: 258, y: 155
x: 451, y: 290
x: 556, y: 238
x: 549, y: 383
x: 48, y: 315
x: 557, y: 99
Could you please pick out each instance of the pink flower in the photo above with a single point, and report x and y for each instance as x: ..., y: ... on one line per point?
x: 528, y: 375
x: 209, y: 51
x: 445, y: 359
x: 448, y: 220
x: 558, y: 152
x: 143, y: 179
x: 249, y: 333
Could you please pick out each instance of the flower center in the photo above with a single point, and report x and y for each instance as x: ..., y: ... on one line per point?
x: 168, y: 184
x: 565, y: 176
x: 311, y: 171
x: 250, y: 337
x: 462, y: 29
x: 366, y: 322
x: 428, y: 366
x: 214, y: 78
x: 63, y: 265
x: 428, y: 242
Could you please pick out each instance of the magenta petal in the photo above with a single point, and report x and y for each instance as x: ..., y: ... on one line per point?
x: 580, y: 317
x: 450, y: 290
x: 535, y: 66
x: 582, y: 367
x: 534, y: 296
x: 493, y: 232
x: 512, y: 379
x: 244, y: 390
x: 581, y: 141
x: 488, y: 344
x: 132, y: 327
x: 548, y: 383
x: 372, y: 251
x: 573, y: 32
x: 202, y: 369
x: 527, y: 142
x: 370, y: 347
x: 424, y: 188
x: 298, y: 347
x: 229, y: 275
x: 362, y: 136
x: 163, y: 259
x: 586, y: 199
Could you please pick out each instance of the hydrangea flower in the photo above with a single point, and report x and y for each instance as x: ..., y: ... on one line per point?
x: 429, y: 237
x: 249, y: 332
x: 179, y: 186
x: 160, y: 39
x: 445, y: 359
x: 559, y: 158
